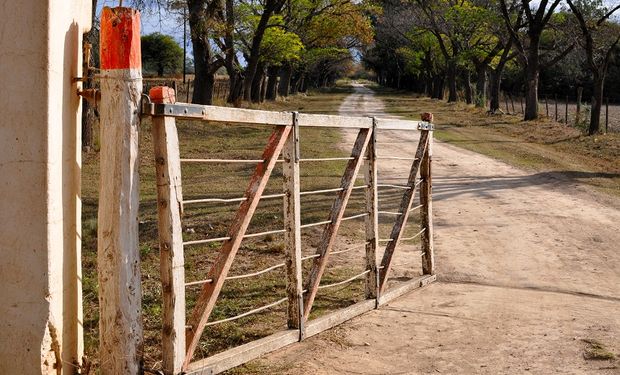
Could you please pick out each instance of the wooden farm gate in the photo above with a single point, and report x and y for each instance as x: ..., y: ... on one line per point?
x: 181, y: 337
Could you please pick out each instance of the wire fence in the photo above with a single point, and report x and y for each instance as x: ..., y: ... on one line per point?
x: 564, y: 109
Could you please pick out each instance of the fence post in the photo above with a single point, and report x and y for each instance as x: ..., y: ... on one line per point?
x: 292, y: 227
x: 372, y: 220
x: 578, y: 113
x: 566, y: 111
x: 426, y: 211
x: 169, y: 210
x: 607, y: 115
x: 547, y: 105
x: 118, y: 256
x: 555, y: 102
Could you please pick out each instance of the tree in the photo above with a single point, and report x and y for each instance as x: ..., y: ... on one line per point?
x: 599, y: 39
x: 526, y: 20
x: 161, y: 54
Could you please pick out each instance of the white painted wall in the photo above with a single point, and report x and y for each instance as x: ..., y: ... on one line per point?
x: 40, y: 291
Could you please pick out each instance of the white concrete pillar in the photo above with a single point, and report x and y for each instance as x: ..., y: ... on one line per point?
x: 40, y: 290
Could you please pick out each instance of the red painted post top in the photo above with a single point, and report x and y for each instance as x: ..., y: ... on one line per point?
x: 120, y: 39
x: 162, y: 95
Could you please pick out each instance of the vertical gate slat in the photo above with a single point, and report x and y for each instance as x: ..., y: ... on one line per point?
x: 405, y: 207
x: 337, y: 211
x: 426, y: 212
x: 372, y: 220
x: 218, y: 272
x: 292, y: 227
x: 169, y: 207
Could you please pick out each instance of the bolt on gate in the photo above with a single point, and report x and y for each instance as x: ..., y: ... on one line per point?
x: 180, y: 337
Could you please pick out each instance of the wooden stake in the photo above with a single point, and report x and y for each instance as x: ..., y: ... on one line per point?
x: 521, y: 101
x: 426, y: 212
x: 118, y: 256
x: 566, y: 111
x: 335, y: 218
x: 512, y: 103
x: 506, y: 100
x: 372, y: 220
x: 405, y: 207
x: 169, y: 208
x: 578, y: 113
x: 547, y: 105
x: 292, y: 226
x: 555, y: 101
x: 221, y: 265
x: 607, y: 115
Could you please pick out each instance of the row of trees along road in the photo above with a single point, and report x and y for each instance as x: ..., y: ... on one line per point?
x: 428, y: 44
x: 269, y: 46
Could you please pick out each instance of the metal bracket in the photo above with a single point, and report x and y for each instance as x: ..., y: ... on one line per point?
x: 177, y: 110
x: 426, y: 126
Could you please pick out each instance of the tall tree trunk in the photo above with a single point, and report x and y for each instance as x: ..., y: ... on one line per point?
x: 204, y: 69
x: 481, y: 86
x: 272, y: 83
x: 532, y: 73
x: 303, y: 86
x: 468, y: 91
x: 451, y: 76
x: 285, y: 80
x: 253, y: 61
x: 597, y: 103
x: 263, y: 88
x: 256, y: 84
x: 294, y: 83
x: 88, y: 111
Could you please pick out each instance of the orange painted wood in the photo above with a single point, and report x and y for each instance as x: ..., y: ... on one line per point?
x: 162, y: 95
x: 405, y: 207
x: 219, y: 270
x: 120, y: 38
x: 335, y: 217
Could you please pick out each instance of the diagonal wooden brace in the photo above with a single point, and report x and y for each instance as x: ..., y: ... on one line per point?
x: 218, y: 272
x: 405, y: 207
x: 335, y: 217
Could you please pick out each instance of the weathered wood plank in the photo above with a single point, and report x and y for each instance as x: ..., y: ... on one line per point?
x: 337, y: 211
x: 335, y: 318
x: 292, y: 227
x: 426, y: 211
x: 405, y: 208
x: 169, y: 198
x: 372, y: 220
x: 405, y: 287
x: 243, y: 353
x: 395, y: 124
x: 219, y: 270
x: 118, y: 256
x: 331, y: 121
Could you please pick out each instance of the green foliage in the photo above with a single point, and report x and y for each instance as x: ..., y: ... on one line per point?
x: 161, y: 54
x: 279, y: 45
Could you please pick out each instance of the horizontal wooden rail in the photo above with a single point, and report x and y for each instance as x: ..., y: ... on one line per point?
x: 270, y: 118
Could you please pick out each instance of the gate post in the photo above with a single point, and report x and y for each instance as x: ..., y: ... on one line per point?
x: 426, y: 211
x: 372, y: 219
x: 292, y: 226
x: 169, y: 210
x: 118, y: 256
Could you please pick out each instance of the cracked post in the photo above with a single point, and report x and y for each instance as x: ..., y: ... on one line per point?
x: 118, y: 257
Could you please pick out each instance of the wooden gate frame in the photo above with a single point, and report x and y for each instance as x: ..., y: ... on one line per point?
x: 179, y: 340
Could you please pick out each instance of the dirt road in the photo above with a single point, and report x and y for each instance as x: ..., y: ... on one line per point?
x: 528, y: 267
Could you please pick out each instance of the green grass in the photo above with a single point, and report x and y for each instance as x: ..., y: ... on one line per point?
x: 204, y: 140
